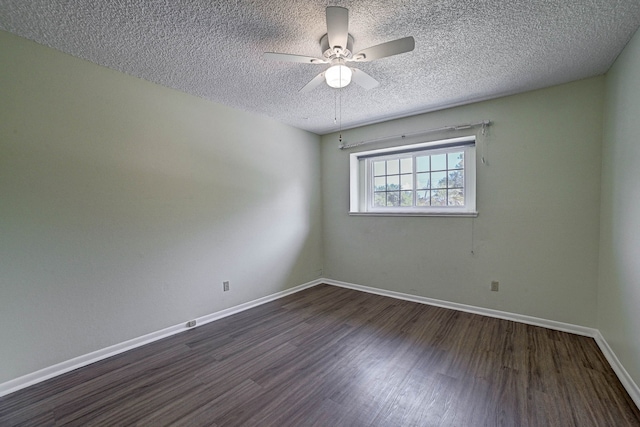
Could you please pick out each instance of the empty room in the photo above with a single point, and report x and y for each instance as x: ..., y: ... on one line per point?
x: 306, y: 213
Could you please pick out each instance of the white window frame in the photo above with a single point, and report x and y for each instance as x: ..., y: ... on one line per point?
x: 361, y: 178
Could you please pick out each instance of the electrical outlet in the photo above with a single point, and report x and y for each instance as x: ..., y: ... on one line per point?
x: 495, y: 285
x: 225, y: 286
x: 191, y: 323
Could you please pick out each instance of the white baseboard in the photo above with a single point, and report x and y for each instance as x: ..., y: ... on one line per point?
x: 84, y: 360
x: 521, y: 318
x: 624, y: 377
x: 247, y: 305
x: 78, y: 362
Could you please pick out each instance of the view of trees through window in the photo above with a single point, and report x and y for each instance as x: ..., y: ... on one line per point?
x: 419, y: 179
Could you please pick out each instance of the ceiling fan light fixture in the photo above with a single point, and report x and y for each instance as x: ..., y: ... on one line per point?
x: 338, y: 75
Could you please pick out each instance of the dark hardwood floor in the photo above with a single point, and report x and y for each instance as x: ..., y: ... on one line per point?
x: 329, y: 356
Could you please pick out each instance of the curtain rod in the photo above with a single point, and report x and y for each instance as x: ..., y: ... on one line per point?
x: 483, y: 123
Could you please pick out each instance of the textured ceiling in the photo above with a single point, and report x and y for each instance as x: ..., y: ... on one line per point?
x: 466, y: 50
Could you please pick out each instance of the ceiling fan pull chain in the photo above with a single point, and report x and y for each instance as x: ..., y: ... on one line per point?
x: 335, y: 108
x: 340, y: 120
x: 340, y: 102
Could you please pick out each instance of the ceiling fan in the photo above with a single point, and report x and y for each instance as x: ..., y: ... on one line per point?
x: 337, y: 47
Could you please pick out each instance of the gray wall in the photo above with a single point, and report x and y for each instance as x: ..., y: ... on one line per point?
x: 124, y: 205
x: 619, y: 286
x: 538, y: 203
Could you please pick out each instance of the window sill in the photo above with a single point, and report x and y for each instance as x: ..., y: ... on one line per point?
x: 436, y: 214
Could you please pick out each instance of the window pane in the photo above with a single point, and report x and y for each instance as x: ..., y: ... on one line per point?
x: 425, y: 178
x: 439, y: 198
x: 456, y: 179
x: 422, y: 164
x: 393, y: 182
x: 378, y: 168
x: 455, y: 160
x: 407, y: 182
x: 406, y: 198
x: 439, y: 179
x: 393, y: 167
x: 406, y: 165
x: 393, y: 198
x: 422, y: 181
x: 439, y: 162
x: 423, y: 198
x: 456, y: 197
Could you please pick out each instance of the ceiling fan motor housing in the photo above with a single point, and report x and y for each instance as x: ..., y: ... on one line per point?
x: 331, y: 52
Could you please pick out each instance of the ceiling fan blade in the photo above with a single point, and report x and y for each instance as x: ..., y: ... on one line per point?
x: 314, y: 83
x: 286, y: 57
x: 363, y: 79
x: 395, y: 47
x: 337, y: 26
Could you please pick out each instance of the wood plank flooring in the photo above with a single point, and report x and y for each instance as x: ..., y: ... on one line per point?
x: 329, y: 356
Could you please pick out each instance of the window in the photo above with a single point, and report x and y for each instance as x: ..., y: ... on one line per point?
x: 434, y: 178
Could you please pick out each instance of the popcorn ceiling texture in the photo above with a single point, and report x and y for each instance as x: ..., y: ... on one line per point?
x: 466, y: 50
